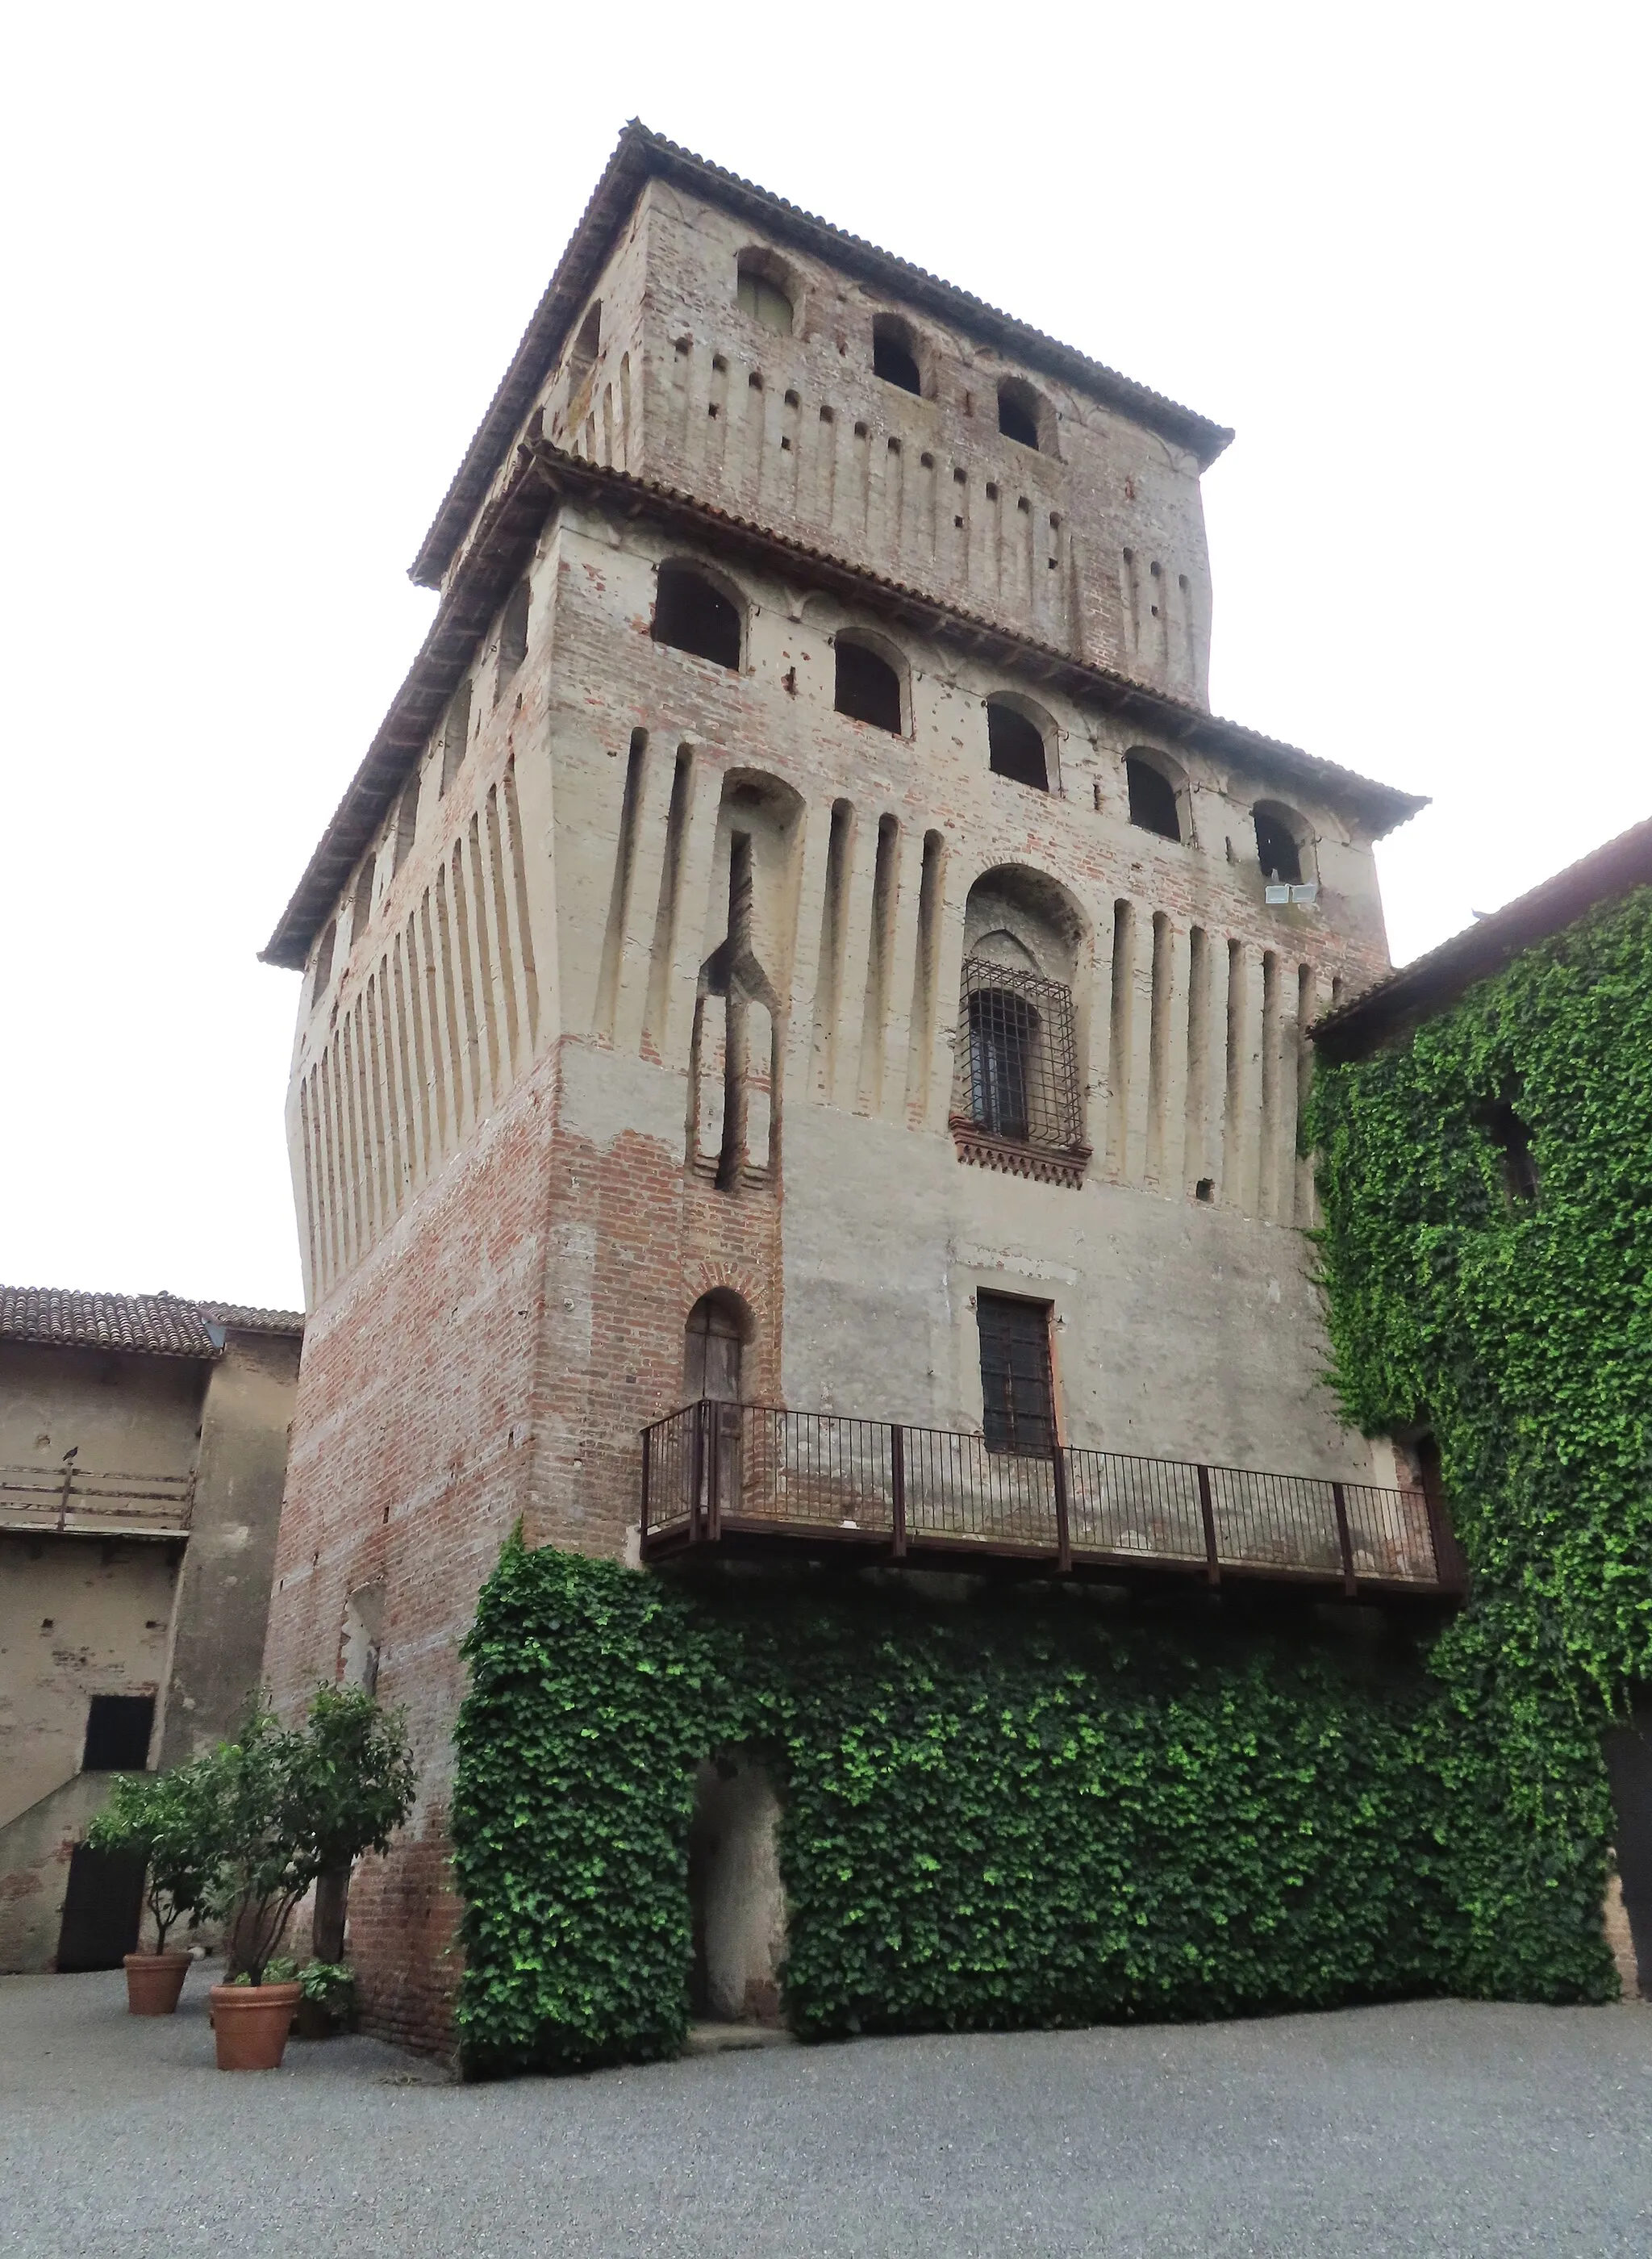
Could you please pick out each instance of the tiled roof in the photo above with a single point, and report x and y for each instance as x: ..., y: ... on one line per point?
x: 641, y: 155
x: 1429, y: 983
x: 147, y: 1325
x: 544, y: 473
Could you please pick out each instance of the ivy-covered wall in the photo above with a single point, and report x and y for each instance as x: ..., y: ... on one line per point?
x: 1039, y: 1810
x: 1518, y: 1330
x: 1025, y: 1812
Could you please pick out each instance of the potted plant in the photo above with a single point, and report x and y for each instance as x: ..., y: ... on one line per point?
x: 327, y: 1999
x: 168, y: 1817
x: 290, y: 1803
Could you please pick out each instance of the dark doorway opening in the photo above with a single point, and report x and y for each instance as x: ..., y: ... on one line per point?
x: 1628, y: 1754
x: 103, y: 1907
x: 118, y: 1730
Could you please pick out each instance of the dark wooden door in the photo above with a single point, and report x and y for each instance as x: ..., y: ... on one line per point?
x: 102, y: 1908
x: 1017, y: 1400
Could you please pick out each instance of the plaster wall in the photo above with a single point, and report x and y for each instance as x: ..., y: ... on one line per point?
x: 737, y: 1900
x: 78, y: 1617
x: 224, y: 1585
x: 121, y: 1414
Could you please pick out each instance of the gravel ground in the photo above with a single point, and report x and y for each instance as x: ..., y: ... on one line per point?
x: 1432, y: 2128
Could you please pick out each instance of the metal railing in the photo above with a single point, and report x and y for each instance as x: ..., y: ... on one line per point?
x: 69, y: 1499
x: 712, y: 1469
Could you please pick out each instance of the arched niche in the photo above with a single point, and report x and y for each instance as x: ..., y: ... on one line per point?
x: 767, y: 289
x: 1013, y: 903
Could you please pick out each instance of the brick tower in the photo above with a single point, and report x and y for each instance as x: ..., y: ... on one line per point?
x: 801, y: 940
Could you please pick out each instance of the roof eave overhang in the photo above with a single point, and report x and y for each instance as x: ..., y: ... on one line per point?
x: 1391, y: 1010
x: 641, y: 155
x: 544, y: 476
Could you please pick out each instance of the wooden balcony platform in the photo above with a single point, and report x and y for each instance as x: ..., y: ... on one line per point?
x: 74, y: 1501
x: 751, y: 1481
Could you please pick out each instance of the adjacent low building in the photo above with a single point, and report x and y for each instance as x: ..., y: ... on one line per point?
x: 143, y: 1449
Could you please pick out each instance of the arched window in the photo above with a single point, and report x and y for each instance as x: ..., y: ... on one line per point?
x: 1023, y: 414
x: 762, y: 291
x: 712, y: 1341
x: 868, y: 689
x: 1015, y: 747
x: 1003, y: 1034
x: 1152, y: 798
x: 691, y: 614
x: 894, y: 356
x: 1279, y: 848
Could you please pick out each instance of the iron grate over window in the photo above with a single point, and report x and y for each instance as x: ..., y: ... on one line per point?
x: 1017, y: 1075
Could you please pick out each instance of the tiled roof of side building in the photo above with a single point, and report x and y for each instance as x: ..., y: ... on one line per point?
x: 641, y: 155
x: 143, y: 1325
x: 544, y: 474
x: 1400, y: 1000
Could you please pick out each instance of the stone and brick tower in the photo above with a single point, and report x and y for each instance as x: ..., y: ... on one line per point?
x: 799, y: 937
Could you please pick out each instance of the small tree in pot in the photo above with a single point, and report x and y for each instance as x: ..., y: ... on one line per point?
x: 291, y: 1804
x: 171, y: 1819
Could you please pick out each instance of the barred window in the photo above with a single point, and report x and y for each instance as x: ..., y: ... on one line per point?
x: 1017, y: 1401
x: 1017, y: 1073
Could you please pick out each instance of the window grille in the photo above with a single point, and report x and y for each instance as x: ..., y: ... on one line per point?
x: 1017, y: 1412
x: 1017, y: 1077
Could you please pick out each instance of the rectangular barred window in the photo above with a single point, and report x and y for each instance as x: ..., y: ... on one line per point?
x: 1017, y: 1062
x: 1017, y: 1412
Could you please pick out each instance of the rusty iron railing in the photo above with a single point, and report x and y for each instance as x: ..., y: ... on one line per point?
x: 713, y: 1472
x: 70, y: 1500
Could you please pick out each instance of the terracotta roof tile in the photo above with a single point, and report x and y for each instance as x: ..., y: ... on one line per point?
x: 145, y: 1325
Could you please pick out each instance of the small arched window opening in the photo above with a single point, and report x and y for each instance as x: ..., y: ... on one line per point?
x: 713, y: 1340
x: 1015, y: 747
x: 868, y: 689
x: 361, y: 906
x: 1513, y: 1139
x: 582, y: 352
x: 762, y: 291
x: 407, y: 817
x: 1023, y: 414
x: 691, y: 614
x: 1279, y: 850
x: 1152, y: 799
x: 513, y: 635
x: 894, y: 356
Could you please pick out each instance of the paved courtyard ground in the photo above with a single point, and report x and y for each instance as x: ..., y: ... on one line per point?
x: 1428, y: 2129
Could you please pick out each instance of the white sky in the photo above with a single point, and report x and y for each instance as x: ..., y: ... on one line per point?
x: 263, y: 270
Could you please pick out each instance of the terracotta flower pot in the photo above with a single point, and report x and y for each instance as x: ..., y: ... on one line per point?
x: 250, y: 2023
x: 153, y: 1982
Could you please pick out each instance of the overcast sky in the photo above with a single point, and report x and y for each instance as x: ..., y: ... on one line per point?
x: 263, y: 270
